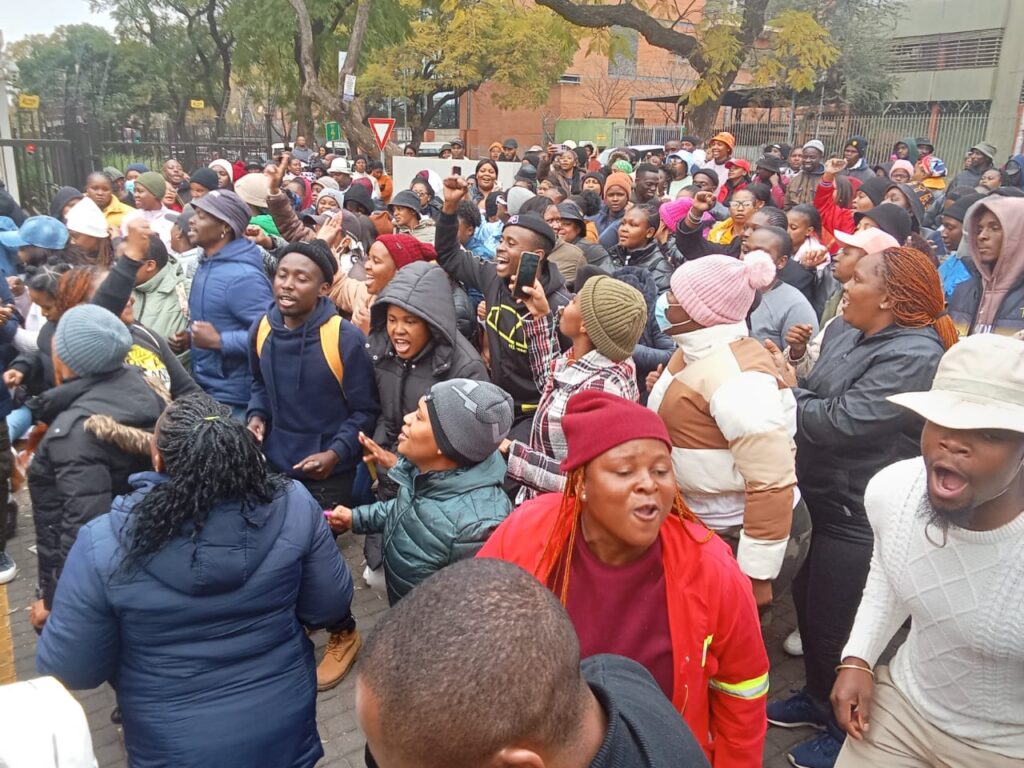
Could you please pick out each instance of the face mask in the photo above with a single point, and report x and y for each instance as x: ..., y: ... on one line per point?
x: 129, y: 187
x: 661, y: 318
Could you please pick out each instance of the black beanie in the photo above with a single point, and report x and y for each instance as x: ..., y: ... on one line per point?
x: 875, y: 188
x: 958, y: 210
x: 891, y: 219
x: 316, y: 251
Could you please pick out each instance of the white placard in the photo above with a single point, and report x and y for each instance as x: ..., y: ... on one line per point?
x: 405, y: 169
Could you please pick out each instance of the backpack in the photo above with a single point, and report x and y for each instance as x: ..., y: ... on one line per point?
x: 330, y: 334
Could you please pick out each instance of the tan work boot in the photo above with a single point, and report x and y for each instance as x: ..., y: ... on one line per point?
x: 339, y: 656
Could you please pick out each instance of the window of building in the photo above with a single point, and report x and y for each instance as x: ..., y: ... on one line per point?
x: 622, y: 58
x: 960, y: 50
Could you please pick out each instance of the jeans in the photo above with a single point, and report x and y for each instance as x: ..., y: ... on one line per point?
x: 827, y: 592
x: 6, y: 468
x: 334, y: 491
x: 19, y: 422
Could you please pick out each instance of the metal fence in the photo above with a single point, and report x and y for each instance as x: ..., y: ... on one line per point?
x: 951, y: 132
x: 194, y: 146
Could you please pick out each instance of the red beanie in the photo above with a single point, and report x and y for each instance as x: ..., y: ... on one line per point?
x: 595, y: 422
x: 405, y: 249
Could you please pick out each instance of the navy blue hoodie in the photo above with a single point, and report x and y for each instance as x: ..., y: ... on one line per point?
x: 296, y: 394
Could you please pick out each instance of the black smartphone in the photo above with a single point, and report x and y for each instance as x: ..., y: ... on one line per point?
x: 456, y: 170
x: 529, y: 266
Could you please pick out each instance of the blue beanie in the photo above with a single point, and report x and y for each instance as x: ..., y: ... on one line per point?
x: 140, y: 167
x: 90, y: 340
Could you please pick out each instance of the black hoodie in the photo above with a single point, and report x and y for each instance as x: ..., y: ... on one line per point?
x: 506, y: 335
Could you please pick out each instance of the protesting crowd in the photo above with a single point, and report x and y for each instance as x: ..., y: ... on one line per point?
x: 668, y: 390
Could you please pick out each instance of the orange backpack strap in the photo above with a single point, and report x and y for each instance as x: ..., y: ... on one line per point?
x: 262, y: 332
x: 330, y: 338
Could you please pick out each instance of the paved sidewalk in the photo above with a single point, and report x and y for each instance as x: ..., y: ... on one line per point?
x: 343, y: 743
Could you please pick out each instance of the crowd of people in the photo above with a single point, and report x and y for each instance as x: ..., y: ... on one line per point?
x: 670, y: 390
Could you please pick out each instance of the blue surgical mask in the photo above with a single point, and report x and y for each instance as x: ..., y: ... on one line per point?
x: 129, y: 187
x: 660, y: 308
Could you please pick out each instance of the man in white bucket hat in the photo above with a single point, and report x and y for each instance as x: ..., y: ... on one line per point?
x: 949, y: 553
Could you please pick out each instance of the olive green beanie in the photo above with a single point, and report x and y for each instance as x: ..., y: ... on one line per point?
x: 614, y: 315
x: 154, y: 182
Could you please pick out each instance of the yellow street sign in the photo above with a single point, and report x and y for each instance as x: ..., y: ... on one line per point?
x: 197, y: 104
x: 27, y: 101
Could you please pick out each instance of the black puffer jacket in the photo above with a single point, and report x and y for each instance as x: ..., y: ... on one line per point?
x: 98, y: 437
x: 424, y: 290
x: 594, y: 253
x: 650, y: 257
x: 846, y: 428
x: 654, y: 348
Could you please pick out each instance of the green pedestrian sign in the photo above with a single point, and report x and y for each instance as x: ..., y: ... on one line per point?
x: 333, y: 131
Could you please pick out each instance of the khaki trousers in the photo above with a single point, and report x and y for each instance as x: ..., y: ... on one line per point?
x: 900, y: 737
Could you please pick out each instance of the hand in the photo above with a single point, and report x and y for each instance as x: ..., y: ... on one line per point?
x: 256, y: 235
x: 455, y: 188
x: 796, y: 338
x: 375, y: 454
x: 786, y: 371
x: 13, y: 378
x: 851, y: 698
x: 505, y: 447
x: 481, y: 311
x: 180, y: 342
x: 136, y: 241
x: 536, y: 300
x: 277, y: 174
x: 204, y: 335
x: 815, y: 258
x: 318, y: 466
x: 653, y: 376
x: 662, y: 234
x: 340, y: 519
x: 703, y: 202
x: 38, y: 615
x: 258, y: 428
x: 170, y: 196
x: 834, y: 166
x: 16, y: 285
x: 762, y: 592
x: 5, y: 313
x: 330, y: 232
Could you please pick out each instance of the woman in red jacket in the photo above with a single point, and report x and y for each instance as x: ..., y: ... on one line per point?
x: 642, y: 578
x: 834, y: 200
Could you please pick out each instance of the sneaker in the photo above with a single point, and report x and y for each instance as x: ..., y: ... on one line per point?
x: 342, y: 648
x: 796, y: 711
x: 793, y: 644
x: 8, y: 570
x: 819, y: 752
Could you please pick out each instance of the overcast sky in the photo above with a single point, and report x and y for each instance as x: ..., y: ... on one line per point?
x: 22, y: 18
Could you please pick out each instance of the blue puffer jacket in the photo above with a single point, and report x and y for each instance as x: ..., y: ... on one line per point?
x: 436, y: 519
x: 230, y: 290
x: 204, y: 642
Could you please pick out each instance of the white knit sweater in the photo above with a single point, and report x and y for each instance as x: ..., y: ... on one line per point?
x: 962, y: 665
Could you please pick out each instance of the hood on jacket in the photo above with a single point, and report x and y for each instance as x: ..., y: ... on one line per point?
x: 911, y: 143
x: 422, y: 289
x: 451, y: 483
x: 64, y: 196
x: 1009, y: 268
x: 1019, y: 160
x: 307, y: 334
x: 916, y: 208
x: 234, y: 541
x: 125, y: 398
x: 240, y: 251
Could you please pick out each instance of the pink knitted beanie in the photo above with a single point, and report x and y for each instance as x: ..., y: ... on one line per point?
x: 675, y: 211
x: 719, y: 289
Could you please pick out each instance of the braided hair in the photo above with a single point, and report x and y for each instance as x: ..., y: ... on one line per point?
x: 914, y: 286
x: 75, y: 287
x: 45, y: 278
x: 555, y: 561
x: 210, y: 458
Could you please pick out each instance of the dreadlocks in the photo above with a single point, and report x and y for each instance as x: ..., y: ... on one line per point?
x: 556, y: 560
x: 210, y: 458
x: 916, y: 292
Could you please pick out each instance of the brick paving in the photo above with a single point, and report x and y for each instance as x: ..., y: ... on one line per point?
x: 339, y: 731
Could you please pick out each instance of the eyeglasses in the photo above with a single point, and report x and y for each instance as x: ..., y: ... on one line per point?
x: 741, y: 204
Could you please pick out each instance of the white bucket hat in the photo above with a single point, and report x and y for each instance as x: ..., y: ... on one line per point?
x: 979, y: 385
x: 86, y: 218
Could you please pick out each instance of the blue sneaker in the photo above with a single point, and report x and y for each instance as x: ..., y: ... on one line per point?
x: 796, y: 711
x: 820, y: 752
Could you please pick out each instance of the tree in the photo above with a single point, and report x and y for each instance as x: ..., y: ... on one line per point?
x: 606, y: 93
x: 716, y: 41
x: 456, y: 47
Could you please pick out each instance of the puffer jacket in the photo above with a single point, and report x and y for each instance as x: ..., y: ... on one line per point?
x: 649, y: 257
x: 422, y: 289
x: 846, y: 429
x: 506, y: 335
x: 436, y: 519
x: 991, y: 300
x: 595, y: 254
x: 98, y: 437
x: 206, y: 631
x: 161, y: 303
x: 654, y: 348
x: 230, y: 291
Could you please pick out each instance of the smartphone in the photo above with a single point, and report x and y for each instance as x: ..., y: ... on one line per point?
x: 529, y: 267
x: 456, y: 170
